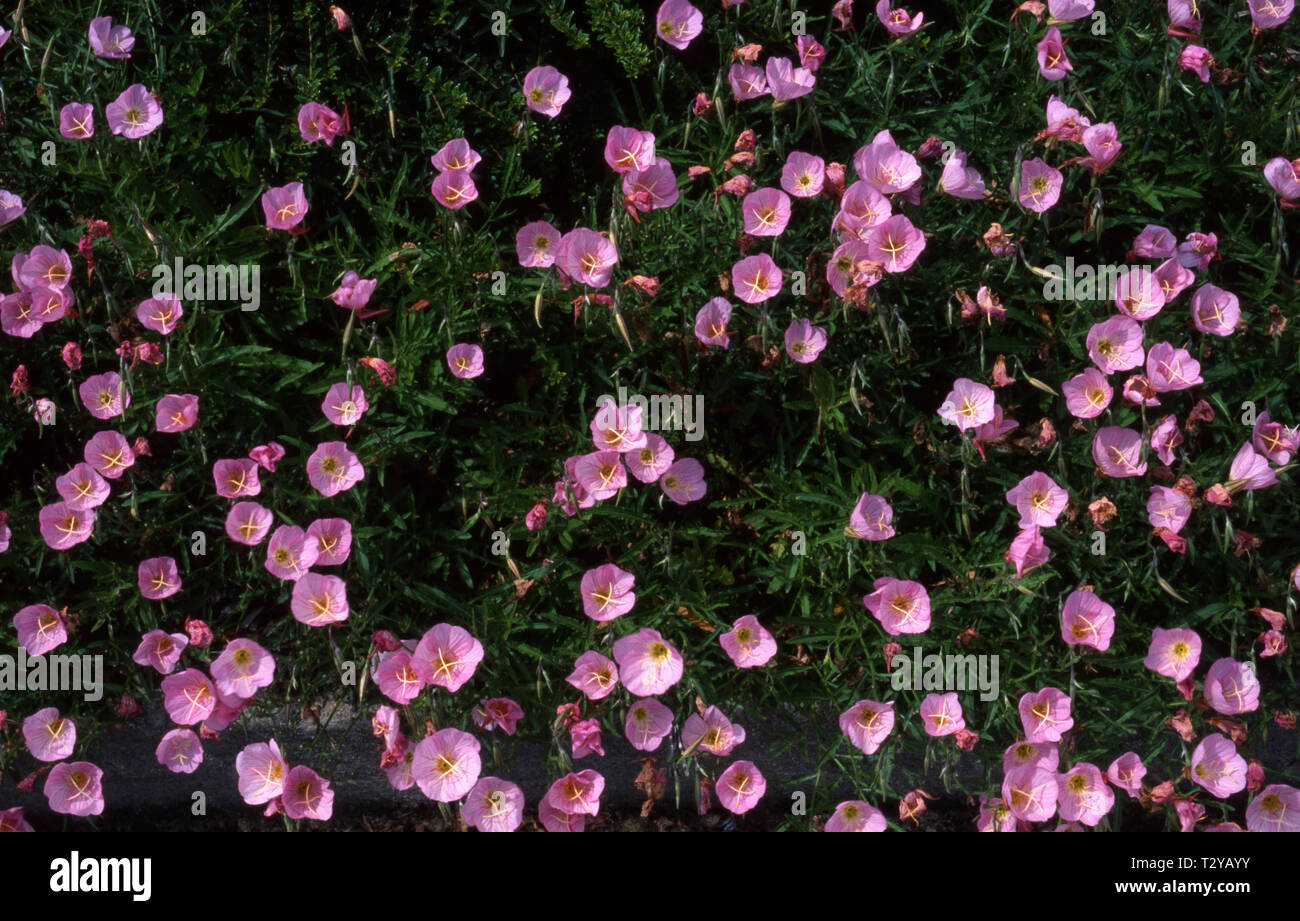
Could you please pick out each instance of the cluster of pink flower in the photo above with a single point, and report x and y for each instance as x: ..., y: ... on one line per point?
x: 266, y: 777
x: 1185, y: 22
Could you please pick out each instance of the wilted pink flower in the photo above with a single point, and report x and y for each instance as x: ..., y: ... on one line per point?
x: 969, y: 404
x: 318, y: 600
x: 236, y: 478
x: 1084, y: 795
x: 1276, y: 808
x: 1231, y: 687
x: 901, y: 606
x: 1040, y: 185
x: 158, y: 578
x: 870, y: 518
x: 333, y: 469
x: 587, y: 257
x: 290, y: 553
x: 318, y: 122
x: 1197, y: 59
x: 785, y: 81
x: 748, y: 643
x: 49, y: 737
x: 110, y: 41
x: 77, y: 121
x: 354, y: 291
x: 1118, y: 452
x: 188, y: 696
x: 584, y: 739
x: 941, y: 714
x: 307, y: 795
x: 71, y: 355
x: 740, y: 787
x: 75, y: 788
x: 648, y: 721
x: 1030, y: 792
x: 678, y: 23
x: 1173, y: 653
x: 712, y: 732
x: 284, y: 206
x: 1038, y: 499
x: 898, y: 21
x: 1165, y: 437
x: 1052, y: 62
x: 594, y: 675
x: 180, y: 751
x: 447, y: 656
x: 628, y: 149
x: 683, y: 481
x: 756, y: 278
x: 160, y: 651
x: 803, y: 341
x: 1045, y: 715
x: 63, y: 527
x: 500, y: 712
x: 711, y: 323
x: 867, y: 724
x: 1086, y: 620
x: 607, y: 592
x: 1217, y: 767
x: 648, y: 665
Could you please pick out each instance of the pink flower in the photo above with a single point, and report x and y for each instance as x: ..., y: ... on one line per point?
x: 63, y: 527
x: 648, y: 721
x: 678, y: 23
x: 960, y: 180
x: 1250, y: 471
x: 1052, y: 62
x: 77, y: 121
x: 1198, y: 250
x: 11, y: 206
x: 307, y: 795
x: 453, y: 189
x: 968, y: 405
x: 648, y: 665
x: 1040, y: 184
x: 617, y: 428
x: 1154, y: 242
x: 242, y: 668
x: 446, y: 765
x: 1170, y: 368
x: 584, y: 739
x: 601, y: 473
x: 44, y: 267
x: 994, y: 816
x: 82, y: 488
x: 248, y: 523
x: 236, y: 478
x: 785, y: 81
x: 1069, y: 10
x: 354, y: 292
x: 105, y: 396
x: 1269, y: 14
x: 1084, y: 795
x: 284, y: 206
x: 180, y: 751
x: 1102, y: 143
x: 594, y: 675
x: 1045, y: 715
x: 1173, y: 653
x: 1217, y: 767
x: 447, y: 656
x: 319, y: 600
x: 75, y: 788
x: 290, y: 553
x: 1283, y: 176
x: 1276, y: 808
x: 711, y: 324
x: 1030, y: 792
x: 546, y: 90
x: 941, y: 714
x: 870, y: 519
x: 577, y: 794
x: 1086, y: 620
x: 456, y: 156
x: 536, y: 245
x: 740, y: 787
x: 500, y: 712
x: 1118, y: 452
x: 49, y: 737
x: 1087, y: 394
x: 344, y: 405
x: 756, y: 278
x: 494, y: 805
x: 855, y: 815
x: 262, y: 771
x: 747, y: 81
x: 886, y: 167
x: 397, y: 678
x: 1231, y: 687
x: 803, y: 175
x: 867, y: 724
x: 40, y: 628
x: 465, y: 360
x: 333, y: 538
x: 811, y: 53
x: 898, y: 21
x: 1197, y: 59
x: 1165, y: 437
x: 160, y: 650
x: 110, y: 41
x: 748, y: 643
x: 712, y: 732
x: 1038, y: 754
x: 901, y: 606
x: 158, y: 578
x: 895, y: 243
x: 176, y: 412
x: 1271, y: 439
x: 188, y: 696
x: 1038, y: 499
x: 683, y: 481
x: 628, y: 149
x: 803, y: 341
x: 587, y: 257
x: 317, y: 122
x: 333, y: 469
x: 607, y: 592
x: 1126, y: 772
x: 766, y: 212
x: 1215, y: 311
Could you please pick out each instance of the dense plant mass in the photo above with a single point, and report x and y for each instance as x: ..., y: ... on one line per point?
x: 568, y: 372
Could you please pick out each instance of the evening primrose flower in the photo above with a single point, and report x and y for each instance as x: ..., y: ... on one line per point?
x: 319, y: 600
x: 105, y: 395
x: 493, y: 805
x: 1045, y: 715
x: 176, y: 412
x: 804, y: 342
x: 648, y: 721
x: 49, y: 737
x: 870, y: 518
x: 1173, y: 653
x: 867, y: 724
x: 712, y: 732
x: 740, y: 787
x: 447, y: 656
x: 648, y: 664
x: 248, y: 523
x: 1217, y: 767
x: 75, y: 788
x: 158, y: 578
x: 968, y: 405
x: 594, y: 675
x: 284, y: 206
x: 683, y: 481
x: 1040, y: 184
x: 1086, y: 620
x: 546, y: 90
x: 748, y: 643
x: 332, y: 468
x: 607, y: 592
x: 110, y: 41
x: 40, y: 628
x: 856, y: 816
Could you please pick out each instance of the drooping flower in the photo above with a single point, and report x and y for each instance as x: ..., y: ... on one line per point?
x: 1250, y: 471
x: 648, y: 664
x: 284, y: 206
x: 748, y: 643
x: 1197, y: 59
x: 870, y: 518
